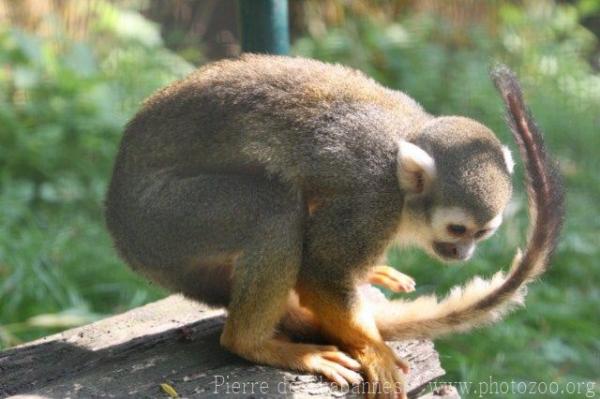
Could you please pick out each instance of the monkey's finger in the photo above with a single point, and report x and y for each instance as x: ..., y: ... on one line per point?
x: 401, y: 279
x: 393, y: 274
x: 333, y: 376
x: 375, y: 381
x: 391, y: 278
x: 403, y: 365
x: 399, y: 383
x: 372, y: 388
x: 383, y: 281
x: 341, y: 358
x: 394, y: 383
x: 351, y: 376
x: 405, y: 285
x: 383, y: 269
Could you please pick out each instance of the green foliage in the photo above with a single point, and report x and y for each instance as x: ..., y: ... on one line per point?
x: 63, y: 104
x: 556, y: 337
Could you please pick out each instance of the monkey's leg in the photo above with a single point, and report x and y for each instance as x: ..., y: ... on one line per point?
x: 346, y: 320
x: 232, y: 240
x: 342, y: 241
x: 263, y: 278
x: 299, y: 323
x: 391, y: 279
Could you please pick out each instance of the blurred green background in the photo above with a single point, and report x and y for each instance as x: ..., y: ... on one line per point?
x: 73, y: 72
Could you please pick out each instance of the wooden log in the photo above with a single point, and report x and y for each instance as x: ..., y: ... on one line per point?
x: 173, y: 341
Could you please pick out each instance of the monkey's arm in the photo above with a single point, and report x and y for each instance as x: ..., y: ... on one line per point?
x: 265, y: 273
x: 341, y: 244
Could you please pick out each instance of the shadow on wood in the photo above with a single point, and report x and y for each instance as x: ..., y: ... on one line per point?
x: 172, y: 341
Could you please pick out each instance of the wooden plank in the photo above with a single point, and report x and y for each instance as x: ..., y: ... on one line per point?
x: 172, y: 341
x: 442, y: 392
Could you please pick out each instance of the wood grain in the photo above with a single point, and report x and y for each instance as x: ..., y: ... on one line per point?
x: 173, y: 341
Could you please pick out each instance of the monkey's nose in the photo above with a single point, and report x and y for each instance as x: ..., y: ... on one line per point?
x: 450, y: 251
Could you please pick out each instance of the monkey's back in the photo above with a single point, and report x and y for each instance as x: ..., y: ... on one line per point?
x: 295, y: 117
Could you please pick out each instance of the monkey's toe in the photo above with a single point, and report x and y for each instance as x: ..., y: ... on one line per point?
x: 384, y: 378
x: 334, y: 365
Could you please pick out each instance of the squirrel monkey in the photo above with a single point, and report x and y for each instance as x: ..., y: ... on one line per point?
x: 273, y: 185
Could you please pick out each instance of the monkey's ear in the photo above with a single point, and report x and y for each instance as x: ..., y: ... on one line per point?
x: 416, y: 168
x: 508, y: 159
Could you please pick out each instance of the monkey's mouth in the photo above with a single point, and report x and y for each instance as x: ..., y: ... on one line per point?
x: 449, y: 251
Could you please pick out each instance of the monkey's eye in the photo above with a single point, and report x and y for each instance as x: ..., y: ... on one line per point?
x: 456, y: 229
x: 481, y: 233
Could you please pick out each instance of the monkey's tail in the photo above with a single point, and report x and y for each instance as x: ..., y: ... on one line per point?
x: 482, y: 302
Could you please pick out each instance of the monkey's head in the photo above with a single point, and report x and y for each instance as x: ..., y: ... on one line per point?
x: 456, y: 176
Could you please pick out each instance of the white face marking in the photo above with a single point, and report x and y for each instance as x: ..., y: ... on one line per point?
x: 508, y: 159
x: 470, y: 251
x: 442, y: 217
x: 412, y: 232
x: 491, y: 226
x: 416, y: 232
x: 495, y: 222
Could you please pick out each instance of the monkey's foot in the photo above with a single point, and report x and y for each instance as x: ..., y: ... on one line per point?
x: 333, y: 364
x: 384, y: 372
x: 326, y: 360
x: 391, y: 278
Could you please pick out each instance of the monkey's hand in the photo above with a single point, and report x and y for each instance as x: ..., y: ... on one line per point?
x: 390, y: 278
x: 349, y: 324
x: 384, y: 371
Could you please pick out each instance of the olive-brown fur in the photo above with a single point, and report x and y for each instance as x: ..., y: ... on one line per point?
x: 254, y: 177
